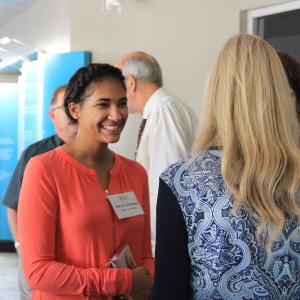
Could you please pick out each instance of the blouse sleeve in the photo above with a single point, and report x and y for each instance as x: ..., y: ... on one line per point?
x: 37, y: 220
x: 172, y: 261
x: 147, y: 257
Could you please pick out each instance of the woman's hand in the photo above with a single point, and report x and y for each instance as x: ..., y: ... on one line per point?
x: 141, y: 284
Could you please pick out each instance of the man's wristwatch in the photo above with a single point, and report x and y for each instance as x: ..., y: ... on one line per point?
x: 17, y: 245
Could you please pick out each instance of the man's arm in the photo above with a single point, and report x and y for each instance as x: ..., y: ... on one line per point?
x: 13, y: 222
x: 11, y: 197
x: 168, y: 142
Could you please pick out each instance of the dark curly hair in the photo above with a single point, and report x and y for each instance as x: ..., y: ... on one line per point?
x: 292, y: 71
x: 78, y: 86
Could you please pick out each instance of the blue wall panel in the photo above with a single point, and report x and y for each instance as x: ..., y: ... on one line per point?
x: 8, y: 145
x: 30, y: 105
x: 33, y: 122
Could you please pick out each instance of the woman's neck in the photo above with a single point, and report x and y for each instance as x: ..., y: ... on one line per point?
x: 92, y: 155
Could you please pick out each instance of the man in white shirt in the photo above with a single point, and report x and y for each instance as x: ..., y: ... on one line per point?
x: 169, y: 126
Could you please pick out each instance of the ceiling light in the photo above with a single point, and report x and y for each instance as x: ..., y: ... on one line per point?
x: 4, y: 50
x: 27, y: 45
x: 13, y: 50
x: 5, y: 40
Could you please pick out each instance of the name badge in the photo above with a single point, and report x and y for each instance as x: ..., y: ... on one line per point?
x: 125, y: 205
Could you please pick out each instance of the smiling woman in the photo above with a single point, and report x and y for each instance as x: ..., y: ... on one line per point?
x: 71, y: 189
x: 101, y: 110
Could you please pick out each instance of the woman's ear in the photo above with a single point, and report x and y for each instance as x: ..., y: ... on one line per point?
x: 74, y: 109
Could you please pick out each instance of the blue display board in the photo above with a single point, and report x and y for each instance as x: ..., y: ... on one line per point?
x: 58, y: 69
x: 8, y: 145
x: 30, y: 104
x: 24, y: 111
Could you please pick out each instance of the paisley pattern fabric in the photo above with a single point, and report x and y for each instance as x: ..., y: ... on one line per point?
x: 228, y: 261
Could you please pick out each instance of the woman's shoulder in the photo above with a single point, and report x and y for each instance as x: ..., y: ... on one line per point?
x: 43, y: 165
x: 46, y: 158
x: 198, y: 164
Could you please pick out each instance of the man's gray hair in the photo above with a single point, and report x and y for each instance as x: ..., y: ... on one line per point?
x: 143, y: 68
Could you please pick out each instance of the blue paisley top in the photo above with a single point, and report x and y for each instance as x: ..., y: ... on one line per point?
x: 205, y: 250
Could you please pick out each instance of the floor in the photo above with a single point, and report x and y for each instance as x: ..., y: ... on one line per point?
x: 8, y: 276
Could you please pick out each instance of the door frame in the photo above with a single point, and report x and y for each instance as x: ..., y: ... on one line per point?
x: 252, y: 14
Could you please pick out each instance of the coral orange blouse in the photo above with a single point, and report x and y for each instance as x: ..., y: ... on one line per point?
x: 69, y: 231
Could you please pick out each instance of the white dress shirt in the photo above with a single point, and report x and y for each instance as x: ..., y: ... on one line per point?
x: 167, y: 137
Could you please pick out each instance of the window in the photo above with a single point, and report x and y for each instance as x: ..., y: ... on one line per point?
x: 279, y: 25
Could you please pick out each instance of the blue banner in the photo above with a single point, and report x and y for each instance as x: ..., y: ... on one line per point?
x: 30, y: 104
x: 8, y: 145
x: 24, y: 111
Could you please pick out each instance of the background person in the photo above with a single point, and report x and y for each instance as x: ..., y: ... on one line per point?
x: 169, y: 126
x: 292, y: 71
x: 65, y: 131
x: 228, y: 216
x: 66, y: 251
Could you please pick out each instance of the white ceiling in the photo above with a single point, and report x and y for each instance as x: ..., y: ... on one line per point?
x: 8, y: 10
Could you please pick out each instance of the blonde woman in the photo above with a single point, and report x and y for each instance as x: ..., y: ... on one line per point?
x: 227, y: 217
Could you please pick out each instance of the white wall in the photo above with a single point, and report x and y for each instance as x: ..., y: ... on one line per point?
x: 184, y: 35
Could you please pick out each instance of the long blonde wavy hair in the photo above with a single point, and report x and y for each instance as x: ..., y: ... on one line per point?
x: 250, y: 113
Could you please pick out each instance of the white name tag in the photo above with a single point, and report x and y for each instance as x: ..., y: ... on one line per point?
x: 125, y: 205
